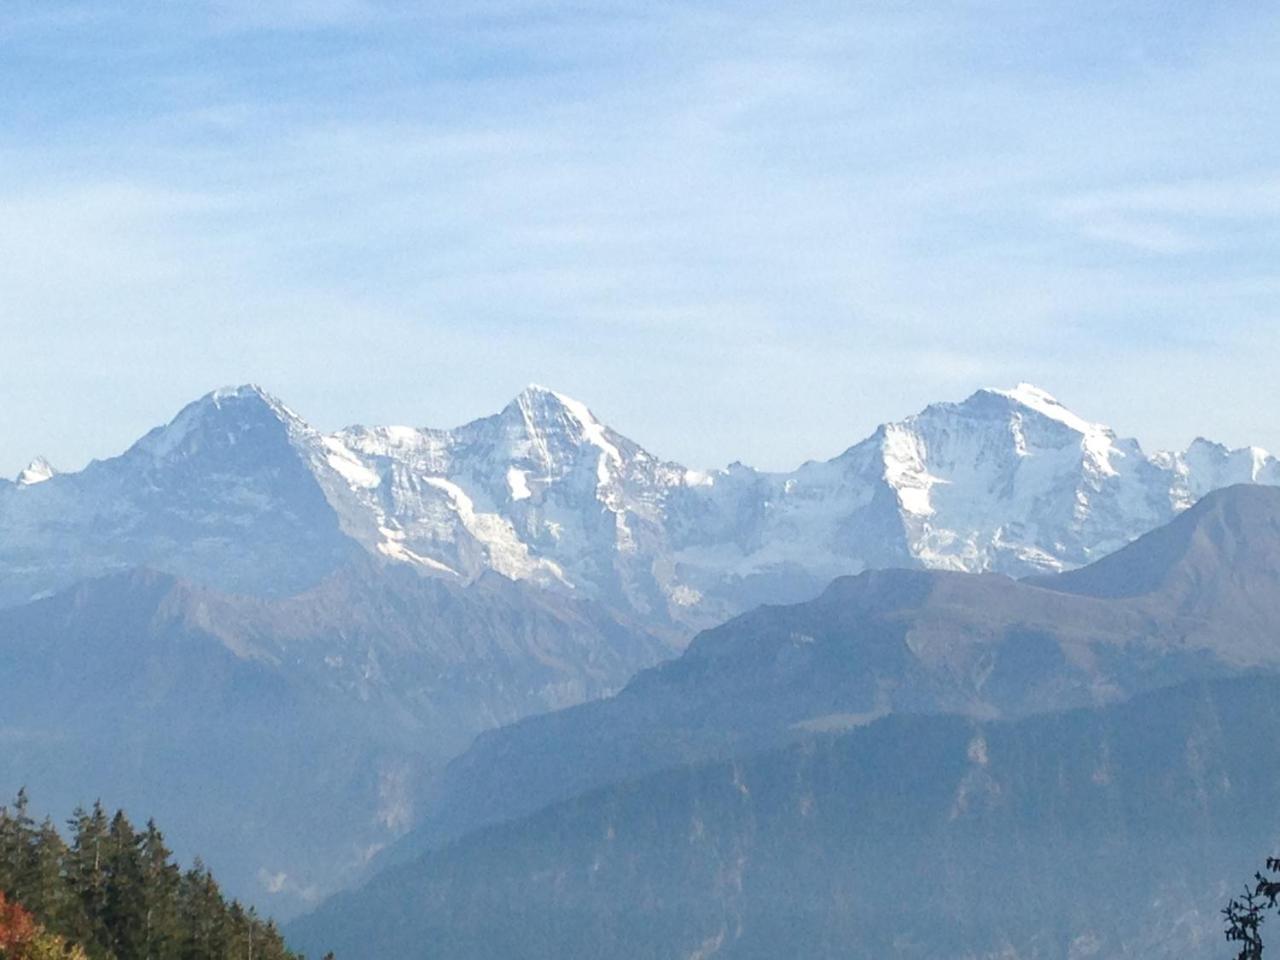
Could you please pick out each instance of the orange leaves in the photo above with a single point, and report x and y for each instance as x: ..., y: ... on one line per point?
x: 21, y: 938
x: 18, y: 929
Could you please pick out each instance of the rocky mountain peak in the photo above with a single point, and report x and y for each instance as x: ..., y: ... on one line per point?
x: 1023, y: 404
x: 545, y: 412
x: 1208, y: 465
x: 224, y: 418
x: 1006, y: 480
x: 37, y: 471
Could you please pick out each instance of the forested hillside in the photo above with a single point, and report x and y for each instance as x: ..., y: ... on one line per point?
x: 109, y: 891
x: 1111, y: 833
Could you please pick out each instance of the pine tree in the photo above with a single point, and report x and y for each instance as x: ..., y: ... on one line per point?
x: 204, y: 916
x: 48, y: 895
x: 87, y: 874
x: 124, y: 899
x: 115, y: 894
x: 17, y: 842
x: 161, y: 879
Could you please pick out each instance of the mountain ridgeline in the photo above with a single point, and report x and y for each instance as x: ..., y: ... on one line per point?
x: 798, y: 770
x: 285, y: 643
x: 286, y: 739
x: 239, y: 494
x: 1203, y: 600
x: 1110, y: 832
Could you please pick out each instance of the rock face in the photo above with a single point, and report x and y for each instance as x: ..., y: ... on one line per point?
x: 1197, y: 598
x: 232, y: 494
x: 238, y: 493
x: 285, y: 740
x: 1108, y: 832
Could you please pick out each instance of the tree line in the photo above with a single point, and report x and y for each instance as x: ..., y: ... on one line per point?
x: 110, y: 891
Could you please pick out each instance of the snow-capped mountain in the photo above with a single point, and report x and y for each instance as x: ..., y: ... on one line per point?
x: 541, y: 491
x: 239, y: 493
x: 229, y: 494
x: 1009, y: 481
x: 37, y: 471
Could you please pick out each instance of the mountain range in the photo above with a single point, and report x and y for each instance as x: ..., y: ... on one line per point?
x: 1197, y: 598
x: 302, y: 630
x: 916, y: 763
x: 238, y: 493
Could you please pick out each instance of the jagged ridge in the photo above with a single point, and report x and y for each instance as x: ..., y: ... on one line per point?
x: 238, y: 492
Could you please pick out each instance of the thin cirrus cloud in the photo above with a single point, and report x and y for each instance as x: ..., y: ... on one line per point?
x: 739, y: 231
x: 1179, y: 217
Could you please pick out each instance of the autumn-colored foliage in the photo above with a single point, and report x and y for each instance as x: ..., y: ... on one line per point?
x: 21, y: 938
x: 17, y: 929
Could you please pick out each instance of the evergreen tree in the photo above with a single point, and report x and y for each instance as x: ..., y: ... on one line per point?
x: 17, y: 842
x: 161, y: 879
x: 205, y: 921
x: 48, y: 894
x: 87, y: 874
x: 113, y: 893
x: 125, y: 895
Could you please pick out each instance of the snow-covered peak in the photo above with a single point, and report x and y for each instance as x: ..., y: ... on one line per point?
x: 1030, y: 397
x: 1007, y: 479
x: 536, y: 398
x: 514, y: 492
x: 543, y: 403
x: 1206, y: 466
x: 534, y: 390
x: 1256, y: 457
x: 554, y: 426
x: 251, y: 397
x: 221, y: 417
x: 241, y: 392
x: 37, y: 471
x: 543, y: 409
x: 1035, y: 419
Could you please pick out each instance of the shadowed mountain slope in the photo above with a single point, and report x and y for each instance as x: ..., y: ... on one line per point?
x: 902, y: 641
x: 285, y: 740
x: 1222, y: 558
x: 1107, y: 832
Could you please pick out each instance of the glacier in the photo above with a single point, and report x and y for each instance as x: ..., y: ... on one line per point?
x: 238, y: 492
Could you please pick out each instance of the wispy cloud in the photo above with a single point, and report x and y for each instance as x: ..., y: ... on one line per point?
x: 1179, y: 217
x: 679, y: 210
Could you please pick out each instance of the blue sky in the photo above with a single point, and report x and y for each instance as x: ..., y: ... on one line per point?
x: 737, y: 230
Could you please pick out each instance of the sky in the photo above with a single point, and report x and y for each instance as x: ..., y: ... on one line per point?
x: 737, y: 230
